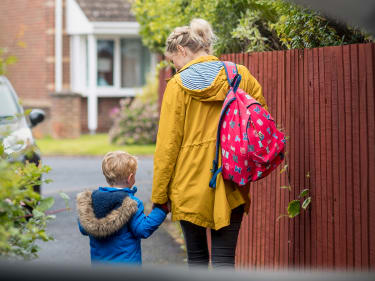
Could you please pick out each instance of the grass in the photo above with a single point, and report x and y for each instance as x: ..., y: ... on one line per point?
x: 88, y: 145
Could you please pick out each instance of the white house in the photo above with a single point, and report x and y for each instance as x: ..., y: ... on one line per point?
x: 107, y: 58
x: 79, y: 58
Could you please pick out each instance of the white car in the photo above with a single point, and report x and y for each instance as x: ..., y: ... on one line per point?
x: 15, y: 127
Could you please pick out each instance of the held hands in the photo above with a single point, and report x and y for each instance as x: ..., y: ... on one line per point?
x: 166, y: 207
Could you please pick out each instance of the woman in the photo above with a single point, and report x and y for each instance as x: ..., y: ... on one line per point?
x: 185, y: 147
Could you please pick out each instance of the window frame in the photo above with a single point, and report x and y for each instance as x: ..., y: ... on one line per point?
x: 109, y: 90
x: 81, y: 69
x: 141, y: 79
x: 116, y: 62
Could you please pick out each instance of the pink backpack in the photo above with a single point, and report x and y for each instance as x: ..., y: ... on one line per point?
x: 251, y: 145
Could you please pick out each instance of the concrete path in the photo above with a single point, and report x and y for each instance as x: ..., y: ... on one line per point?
x: 74, y: 174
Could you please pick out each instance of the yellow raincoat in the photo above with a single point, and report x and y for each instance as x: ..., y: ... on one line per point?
x: 186, y: 142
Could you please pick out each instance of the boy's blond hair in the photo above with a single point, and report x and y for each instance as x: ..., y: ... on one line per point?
x: 117, y: 167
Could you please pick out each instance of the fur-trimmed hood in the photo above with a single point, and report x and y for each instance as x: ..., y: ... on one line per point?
x: 108, y: 225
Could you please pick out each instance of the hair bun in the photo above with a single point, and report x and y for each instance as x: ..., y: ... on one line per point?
x: 197, y: 36
x: 203, y: 29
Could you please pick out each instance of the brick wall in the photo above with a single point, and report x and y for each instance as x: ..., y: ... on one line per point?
x: 66, y: 115
x: 33, y: 76
x: 84, y: 127
x: 105, y: 105
x: 28, y: 21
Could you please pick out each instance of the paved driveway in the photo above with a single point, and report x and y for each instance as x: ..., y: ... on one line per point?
x: 74, y: 174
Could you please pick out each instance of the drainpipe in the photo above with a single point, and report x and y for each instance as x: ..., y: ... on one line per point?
x: 58, y: 45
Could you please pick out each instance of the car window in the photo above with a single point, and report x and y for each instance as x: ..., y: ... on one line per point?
x: 8, y: 103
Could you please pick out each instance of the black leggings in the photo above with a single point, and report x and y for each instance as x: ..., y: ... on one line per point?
x: 223, y: 242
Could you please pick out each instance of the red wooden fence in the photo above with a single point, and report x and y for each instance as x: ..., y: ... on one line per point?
x: 324, y: 98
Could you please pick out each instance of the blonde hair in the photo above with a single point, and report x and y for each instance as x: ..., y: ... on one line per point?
x: 117, y: 167
x: 198, y: 36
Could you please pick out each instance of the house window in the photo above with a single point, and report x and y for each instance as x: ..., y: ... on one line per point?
x: 105, y: 51
x: 135, y: 63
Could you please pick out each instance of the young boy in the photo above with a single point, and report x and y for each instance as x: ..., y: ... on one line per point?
x: 113, y: 217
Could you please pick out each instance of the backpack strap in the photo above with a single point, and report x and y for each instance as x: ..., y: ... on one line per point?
x: 215, y: 167
x: 234, y: 78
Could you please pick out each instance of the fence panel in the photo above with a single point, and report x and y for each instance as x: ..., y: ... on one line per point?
x: 370, y: 61
x: 324, y: 99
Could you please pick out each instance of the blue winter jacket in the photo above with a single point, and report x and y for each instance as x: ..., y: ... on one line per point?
x: 115, y: 223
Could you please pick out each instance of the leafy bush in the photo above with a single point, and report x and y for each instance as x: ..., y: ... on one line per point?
x: 298, y: 27
x: 243, y: 25
x: 22, y: 211
x: 136, y: 121
x: 255, y: 33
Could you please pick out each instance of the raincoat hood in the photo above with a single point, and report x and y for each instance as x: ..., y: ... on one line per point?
x: 102, y: 213
x: 201, y: 78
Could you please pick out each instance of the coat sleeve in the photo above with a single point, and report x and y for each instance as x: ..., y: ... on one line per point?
x: 250, y: 85
x: 81, y: 229
x: 143, y: 226
x: 169, y: 139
